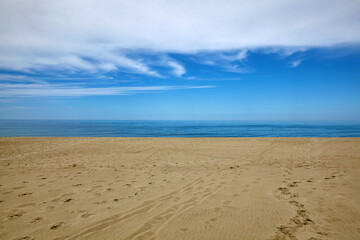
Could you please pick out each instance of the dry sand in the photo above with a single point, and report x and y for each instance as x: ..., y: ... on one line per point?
x: 189, y: 188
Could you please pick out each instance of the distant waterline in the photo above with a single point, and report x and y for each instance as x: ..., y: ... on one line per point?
x: 108, y: 128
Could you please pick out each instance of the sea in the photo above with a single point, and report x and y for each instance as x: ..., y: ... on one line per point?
x: 122, y: 128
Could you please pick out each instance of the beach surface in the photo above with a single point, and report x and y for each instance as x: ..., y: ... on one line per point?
x: 180, y: 188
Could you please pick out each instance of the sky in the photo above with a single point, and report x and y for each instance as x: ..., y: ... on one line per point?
x: 180, y: 60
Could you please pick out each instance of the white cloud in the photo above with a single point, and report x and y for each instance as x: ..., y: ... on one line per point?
x: 296, y: 63
x: 120, y: 61
x: 239, y: 56
x: 18, y: 78
x: 178, y: 25
x: 36, y: 34
x: 236, y: 69
x: 229, y: 61
x: 178, y: 69
x: 73, y: 63
x: 283, y: 52
x: 61, y: 90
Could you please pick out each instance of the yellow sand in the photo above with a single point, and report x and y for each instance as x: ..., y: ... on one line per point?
x: 172, y: 188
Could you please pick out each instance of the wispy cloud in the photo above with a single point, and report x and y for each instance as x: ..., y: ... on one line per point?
x: 229, y: 61
x: 19, y: 78
x: 178, y: 69
x: 215, y: 79
x: 115, y: 61
x: 89, y: 63
x: 282, y: 52
x: 237, y: 68
x: 89, y: 79
x: 296, y: 63
x: 61, y: 90
x: 237, y: 56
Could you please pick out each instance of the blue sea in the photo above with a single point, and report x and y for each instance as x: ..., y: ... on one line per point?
x: 109, y: 128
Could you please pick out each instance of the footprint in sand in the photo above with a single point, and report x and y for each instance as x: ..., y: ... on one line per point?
x: 293, y: 184
x: 217, y: 209
x: 15, y: 215
x: 24, y: 238
x: 56, y: 225
x: 213, y: 220
x: 86, y: 215
x: 36, y: 219
x: 24, y: 194
x: 284, y: 190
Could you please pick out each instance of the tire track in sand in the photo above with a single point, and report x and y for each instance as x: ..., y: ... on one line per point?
x: 176, y: 207
x: 148, y: 230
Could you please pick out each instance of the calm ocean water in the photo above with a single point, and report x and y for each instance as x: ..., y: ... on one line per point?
x: 85, y: 128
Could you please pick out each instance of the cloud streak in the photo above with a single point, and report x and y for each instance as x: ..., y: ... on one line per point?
x: 61, y: 90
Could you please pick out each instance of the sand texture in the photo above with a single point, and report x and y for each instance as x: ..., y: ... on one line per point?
x: 172, y: 188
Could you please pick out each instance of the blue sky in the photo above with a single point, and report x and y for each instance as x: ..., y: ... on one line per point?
x: 267, y: 60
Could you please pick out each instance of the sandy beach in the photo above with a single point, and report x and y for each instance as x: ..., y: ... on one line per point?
x: 180, y: 188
